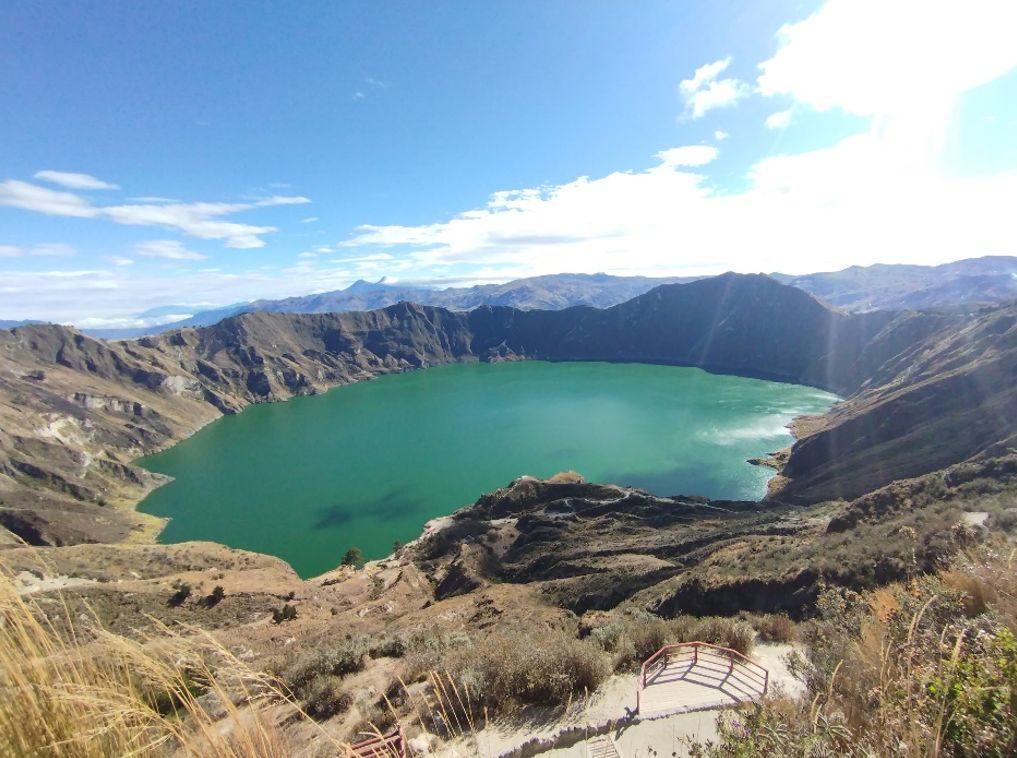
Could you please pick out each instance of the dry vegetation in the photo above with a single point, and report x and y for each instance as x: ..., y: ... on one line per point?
x: 91, y: 693
x: 923, y: 668
x: 632, y: 637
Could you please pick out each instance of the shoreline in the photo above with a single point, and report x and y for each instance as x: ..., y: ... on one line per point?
x: 153, y: 534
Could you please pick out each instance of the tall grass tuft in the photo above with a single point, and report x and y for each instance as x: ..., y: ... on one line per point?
x: 87, y: 692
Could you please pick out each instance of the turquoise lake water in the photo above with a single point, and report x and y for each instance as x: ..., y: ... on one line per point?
x: 370, y: 463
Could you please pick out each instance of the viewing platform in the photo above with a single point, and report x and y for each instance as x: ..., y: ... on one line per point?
x: 691, y: 676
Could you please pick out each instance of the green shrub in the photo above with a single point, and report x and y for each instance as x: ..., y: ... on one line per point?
x: 215, y: 596
x: 324, y: 697
x: 1005, y: 520
x: 182, y: 592
x: 286, y: 613
x: 353, y: 557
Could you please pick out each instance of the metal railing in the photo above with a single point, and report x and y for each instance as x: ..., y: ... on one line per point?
x: 709, y: 662
x: 391, y: 745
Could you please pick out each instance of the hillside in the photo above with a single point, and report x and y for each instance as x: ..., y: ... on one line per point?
x: 558, y: 580
x: 944, y: 399
x: 76, y: 411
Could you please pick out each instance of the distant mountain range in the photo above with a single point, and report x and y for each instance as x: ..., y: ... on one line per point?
x: 553, y: 292
x: 975, y: 281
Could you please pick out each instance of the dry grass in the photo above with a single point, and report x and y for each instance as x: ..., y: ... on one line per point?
x: 85, y: 692
x: 931, y: 673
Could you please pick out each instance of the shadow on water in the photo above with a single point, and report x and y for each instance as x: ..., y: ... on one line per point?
x: 391, y: 505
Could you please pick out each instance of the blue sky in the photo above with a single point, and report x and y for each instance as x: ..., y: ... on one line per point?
x: 201, y: 154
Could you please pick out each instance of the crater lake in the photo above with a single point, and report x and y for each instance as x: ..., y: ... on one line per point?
x: 369, y: 463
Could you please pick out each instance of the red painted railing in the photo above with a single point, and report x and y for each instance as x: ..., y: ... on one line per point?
x: 391, y: 745
x: 747, y: 673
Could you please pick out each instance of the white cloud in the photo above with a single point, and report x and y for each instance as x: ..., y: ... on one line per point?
x: 688, y: 155
x: 705, y: 92
x: 171, y: 249
x: 9, y: 251
x: 778, y: 120
x: 720, y: 136
x: 309, y: 220
x: 201, y: 220
x: 872, y: 57
x: 74, y: 181
x: 856, y: 202
x: 117, y: 260
x: 32, y: 197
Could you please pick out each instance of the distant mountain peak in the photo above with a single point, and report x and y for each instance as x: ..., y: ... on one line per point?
x: 362, y: 285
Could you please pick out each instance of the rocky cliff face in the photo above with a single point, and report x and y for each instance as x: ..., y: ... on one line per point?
x: 943, y: 399
x: 926, y: 389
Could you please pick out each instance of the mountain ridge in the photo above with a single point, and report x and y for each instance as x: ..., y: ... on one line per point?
x: 85, y: 408
x: 965, y: 284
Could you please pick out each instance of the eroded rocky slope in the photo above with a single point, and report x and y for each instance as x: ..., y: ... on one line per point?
x: 946, y: 398
x: 926, y: 389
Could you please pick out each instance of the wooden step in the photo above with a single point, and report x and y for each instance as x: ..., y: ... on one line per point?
x: 602, y: 747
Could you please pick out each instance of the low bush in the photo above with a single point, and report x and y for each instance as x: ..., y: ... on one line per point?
x: 513, y: 668
x: 324, y: 697
x: 286, y: 613
x: 634, y: 636
x: 316, y: 677
x: 774, y: 627
x: 182, y: 591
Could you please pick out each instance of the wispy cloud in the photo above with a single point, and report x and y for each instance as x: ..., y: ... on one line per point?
x: 44, y: 249
x: 52, y: 249
x: 201, y: 220
x: 74, y: 181
x: 309, y: 220
x: 704, y: 91
x: 152, y: 199
x: 31, y: 197
x: 171, y: 249
x: 118, y: 260
x: 778, y: 120
x: 688, y: 155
